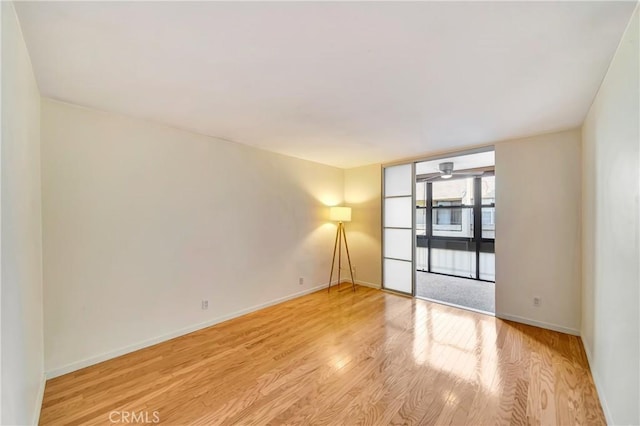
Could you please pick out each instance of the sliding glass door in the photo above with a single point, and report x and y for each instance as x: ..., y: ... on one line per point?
x: 438, y: 217
x: 455, y: 227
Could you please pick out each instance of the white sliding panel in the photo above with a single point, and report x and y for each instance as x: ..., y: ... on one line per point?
x: 398, y: 275
x: 397, y: 244
x: 397, y: 212
x: 398, y: 233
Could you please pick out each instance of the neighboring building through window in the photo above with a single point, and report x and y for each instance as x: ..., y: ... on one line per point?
x: 449, y: 216
x: 488, y: 217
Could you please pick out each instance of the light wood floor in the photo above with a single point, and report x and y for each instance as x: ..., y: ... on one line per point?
x: 341, y: 358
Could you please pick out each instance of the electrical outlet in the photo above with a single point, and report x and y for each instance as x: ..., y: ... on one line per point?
x: 205, y: 304
x: 537, y: 301
x: 300, y: 280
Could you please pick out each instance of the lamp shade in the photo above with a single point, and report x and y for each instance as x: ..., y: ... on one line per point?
x: 340, y: 214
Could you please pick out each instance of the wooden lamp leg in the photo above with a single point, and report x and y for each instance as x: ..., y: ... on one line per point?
x: 344, y: 234
x: 333, y: 261
x: 341, y: 234
x: 339, y: 253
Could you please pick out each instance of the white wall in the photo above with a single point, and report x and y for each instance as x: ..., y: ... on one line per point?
x: 538, y: 230
x: 21, y: 241
x: 142, y: 222
x: 611, y: 256
x: 362, y: 186
x: 1, y: 59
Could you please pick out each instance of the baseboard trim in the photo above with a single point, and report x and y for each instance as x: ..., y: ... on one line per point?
x: 358, y: 282
x: 540, y: 324
x: 38, y: 408
x: 596, y: 381
x: 74, y: 366
x: 368, y: 284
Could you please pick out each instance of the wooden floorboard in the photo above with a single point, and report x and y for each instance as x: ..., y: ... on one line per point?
x: 341, y: 358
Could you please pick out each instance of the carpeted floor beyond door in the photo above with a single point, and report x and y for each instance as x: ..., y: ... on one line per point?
x: 478, y: 295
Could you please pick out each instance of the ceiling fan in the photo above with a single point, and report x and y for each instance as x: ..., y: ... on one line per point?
x: 447, y: 172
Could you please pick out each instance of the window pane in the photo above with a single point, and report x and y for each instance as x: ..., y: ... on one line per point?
x: 454, y: 262
x: 398, y: 180
x: 488, y: 222
x: 453, y: 222
x: 397, y: 212
x: 397, y: 275
x: 489, y: 190
x: 448, y: 203
x: 453, y: 192
x: 422, y: 254
x: 421, y: 194
x: 421, y: 221
x: 448, y: 217
x: 397, y: 243
x: 487, y: 266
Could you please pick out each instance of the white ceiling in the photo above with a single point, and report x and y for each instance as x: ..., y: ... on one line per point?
x: 344, y: 84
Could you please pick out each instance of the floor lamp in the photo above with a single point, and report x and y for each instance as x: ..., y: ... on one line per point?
x: 341, y: 215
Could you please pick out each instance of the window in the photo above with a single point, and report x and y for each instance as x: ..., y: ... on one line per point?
x: 449, y: 217
x: 455, y: 220
x: 487, y: 217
